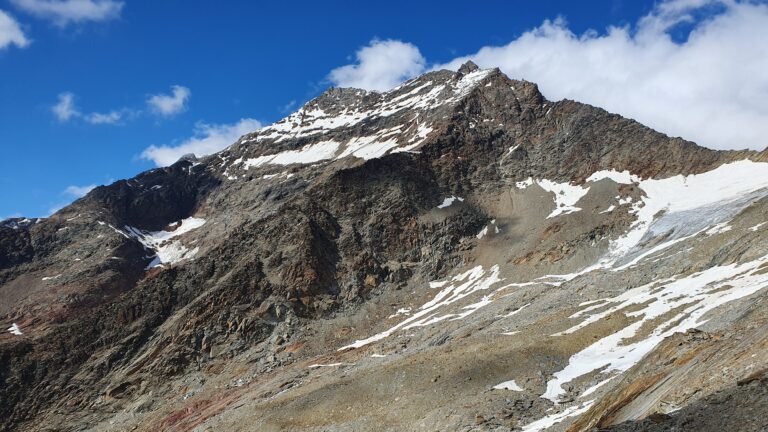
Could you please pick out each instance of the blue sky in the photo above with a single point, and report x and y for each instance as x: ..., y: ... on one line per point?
x: 134, y: 74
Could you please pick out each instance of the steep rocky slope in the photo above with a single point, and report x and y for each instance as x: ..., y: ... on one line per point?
x: 458, y: 253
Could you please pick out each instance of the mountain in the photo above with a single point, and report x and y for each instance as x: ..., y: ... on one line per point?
x: 458, y: 253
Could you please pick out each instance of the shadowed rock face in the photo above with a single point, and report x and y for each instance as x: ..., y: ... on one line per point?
x: 284, y: 283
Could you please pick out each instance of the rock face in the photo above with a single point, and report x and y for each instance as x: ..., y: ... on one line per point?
x: 458, y: 253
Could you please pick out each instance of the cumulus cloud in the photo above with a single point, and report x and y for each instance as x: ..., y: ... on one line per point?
x: 78, y: 191
x: 207, y: 139
x: 10, y: 32
x: 65, y: 108
x: 63, y: 12
x: 168, y: 105
x: 380, y: 65
x: 710, y: 88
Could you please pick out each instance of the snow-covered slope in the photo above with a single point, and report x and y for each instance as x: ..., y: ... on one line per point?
x: 356, y: 123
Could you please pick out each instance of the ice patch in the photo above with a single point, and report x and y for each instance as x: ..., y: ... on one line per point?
x: 681, y: 206
x: 677, y: 207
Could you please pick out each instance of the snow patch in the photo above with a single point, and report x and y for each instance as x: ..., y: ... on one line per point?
x: 553, y: 419
x: 524, y: 183
x: 459, y: 287
x: 449, y: 201
x: 609, y: 209
x: 508, y: 385
x: 487, y: 228
x: 166, y: 249
x: 623, y: 177
x: 566, y: 195
x: 692, y: 295
x: 14, y: 330
x: 368, y: 147
x: 317, y: 365
x: 720, y: 228
x: 595, y: 387
x: 401, y: 311
x: 308, y: 154
x: 482, y: 232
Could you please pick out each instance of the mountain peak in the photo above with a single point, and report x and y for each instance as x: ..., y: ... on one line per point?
x: 467, y: 67
x: 364, y: 124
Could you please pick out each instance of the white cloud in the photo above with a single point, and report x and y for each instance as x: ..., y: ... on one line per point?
x: 63, y: 12
x: 288, y: 108
x: 112, y: 117
x: 56, y: 207
x: 380, y: 66
x: 10, y: 32
x: 168, y: 105
x: 207, y: 139
x: 65, y: 108
x: 74, y: 192
x: 78, y: 191
x: 711, y: 88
